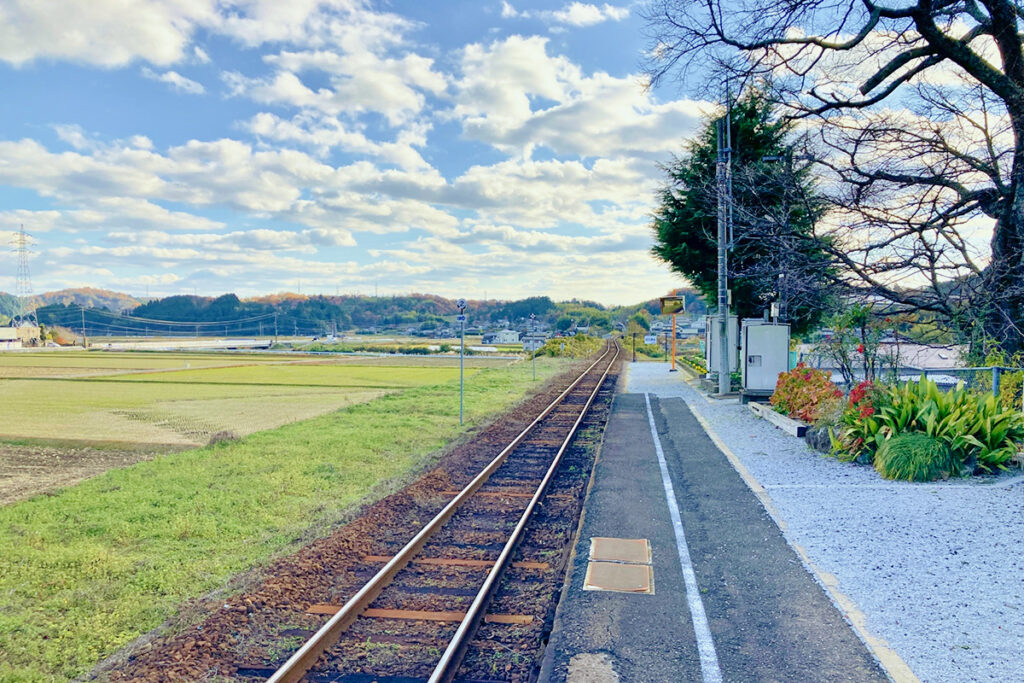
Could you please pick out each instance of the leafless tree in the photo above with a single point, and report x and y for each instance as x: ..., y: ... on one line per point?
x: 917, y: 107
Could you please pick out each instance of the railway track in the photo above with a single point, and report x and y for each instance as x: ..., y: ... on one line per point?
x: 416, y: 616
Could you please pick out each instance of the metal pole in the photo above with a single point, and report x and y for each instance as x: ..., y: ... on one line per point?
x: 533, y: 331
x: 673, y: 343
x: 995, y: 381
x: 462, y: 355
x: 724, y: 201
x: 634, y: 347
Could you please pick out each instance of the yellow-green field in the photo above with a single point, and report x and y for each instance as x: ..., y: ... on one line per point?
x: 182, y: 399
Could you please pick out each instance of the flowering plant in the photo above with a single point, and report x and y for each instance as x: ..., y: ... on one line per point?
x: 805, y: 393
x: 859, y: 428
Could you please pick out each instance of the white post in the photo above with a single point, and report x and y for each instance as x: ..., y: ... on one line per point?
x: 461, y: 305
x: 462, y: 355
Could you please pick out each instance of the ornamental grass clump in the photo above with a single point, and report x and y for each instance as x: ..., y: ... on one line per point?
x: 805, y: 393
x: 915, y: 456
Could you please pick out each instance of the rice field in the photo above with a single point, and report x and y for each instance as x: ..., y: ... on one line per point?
x: 181, y: 399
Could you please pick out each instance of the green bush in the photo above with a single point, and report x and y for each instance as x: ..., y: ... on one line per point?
x: 915, y: 456
x: 977, y: 430
x: 579, y: 346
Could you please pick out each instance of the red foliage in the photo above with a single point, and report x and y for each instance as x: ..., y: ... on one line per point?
x: 805, y: 393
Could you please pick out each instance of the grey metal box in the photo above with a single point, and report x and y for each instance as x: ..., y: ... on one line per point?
x: 765, y: 354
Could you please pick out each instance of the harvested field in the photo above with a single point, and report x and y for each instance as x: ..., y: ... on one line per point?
x: 27, y: 470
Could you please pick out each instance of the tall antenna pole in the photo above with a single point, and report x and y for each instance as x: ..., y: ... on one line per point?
x: 723, y: 177
x: 23, y: 288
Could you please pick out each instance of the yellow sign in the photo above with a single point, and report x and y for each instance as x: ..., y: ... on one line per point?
x: 670, y: 305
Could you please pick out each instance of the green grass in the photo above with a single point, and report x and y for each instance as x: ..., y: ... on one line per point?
x: 21, y: 364
x: 91, y: 568
x: 326, y: 375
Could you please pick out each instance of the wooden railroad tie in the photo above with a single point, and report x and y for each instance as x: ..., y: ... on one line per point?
x: 456, y: 562
x: 421, y: 615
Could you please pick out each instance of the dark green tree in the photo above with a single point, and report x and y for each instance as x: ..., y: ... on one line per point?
x: 774, y: 255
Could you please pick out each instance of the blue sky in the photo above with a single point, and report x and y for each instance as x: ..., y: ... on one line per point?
x: 462, y: 148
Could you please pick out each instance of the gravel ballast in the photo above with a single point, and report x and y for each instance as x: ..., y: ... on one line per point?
x: 936, y: 568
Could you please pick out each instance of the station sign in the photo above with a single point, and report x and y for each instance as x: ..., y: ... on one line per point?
x: 670, y: 305
x: 650, y: 339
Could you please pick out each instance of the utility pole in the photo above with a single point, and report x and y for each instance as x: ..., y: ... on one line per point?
x: 634, y: 347
x: 723, y: 177
x: 275, y: 328
x: 85, y: 342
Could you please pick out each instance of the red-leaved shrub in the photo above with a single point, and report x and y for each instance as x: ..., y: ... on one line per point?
x: 805, y: 393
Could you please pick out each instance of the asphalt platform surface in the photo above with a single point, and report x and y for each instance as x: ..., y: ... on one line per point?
x: 767, y: 617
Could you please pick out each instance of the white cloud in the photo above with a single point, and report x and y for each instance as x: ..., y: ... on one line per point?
x: 585, y: 14
x: 515, y: 96
x: 199, y: 55
x: 175, y: 80
x: 360, y: 82
x: 102, y: 32
x: 161, y: 31
x: 324, y: 133
x: 579, y: 14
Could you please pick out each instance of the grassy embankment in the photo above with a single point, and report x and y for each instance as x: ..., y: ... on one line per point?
x: 89, y: 569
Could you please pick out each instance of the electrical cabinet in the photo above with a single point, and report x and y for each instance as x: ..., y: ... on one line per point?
x: 765, y: 353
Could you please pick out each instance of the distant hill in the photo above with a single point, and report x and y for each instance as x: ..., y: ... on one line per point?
x: 88, y: 297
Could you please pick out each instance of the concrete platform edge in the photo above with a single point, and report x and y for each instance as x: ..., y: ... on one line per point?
x: 888, y: 659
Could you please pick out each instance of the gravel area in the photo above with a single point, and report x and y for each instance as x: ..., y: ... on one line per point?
x: 937, y: 569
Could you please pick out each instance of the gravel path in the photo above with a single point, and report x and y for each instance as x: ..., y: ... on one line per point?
x: 937, y: 569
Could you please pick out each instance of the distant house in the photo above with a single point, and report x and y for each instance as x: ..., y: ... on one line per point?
x: 9, y: 338
x: 502, y: 337
x: 534, y: 340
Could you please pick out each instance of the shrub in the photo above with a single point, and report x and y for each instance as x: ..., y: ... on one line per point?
x: 805, y: 393
x: 915, y: 456
x: 858, y: 434
x: 976, y: 429
x: 579, y: 346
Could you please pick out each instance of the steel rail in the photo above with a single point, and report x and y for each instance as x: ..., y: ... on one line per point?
x: 453, y: 654
x: 296, y: 667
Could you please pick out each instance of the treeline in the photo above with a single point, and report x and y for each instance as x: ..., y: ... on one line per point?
x: 287, y: 314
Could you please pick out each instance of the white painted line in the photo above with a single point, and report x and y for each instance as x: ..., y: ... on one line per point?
x: 705, y: 644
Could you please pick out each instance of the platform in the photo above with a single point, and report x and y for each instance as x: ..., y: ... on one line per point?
x: 753, y: 612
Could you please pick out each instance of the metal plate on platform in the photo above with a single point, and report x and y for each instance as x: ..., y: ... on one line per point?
x: 619, y: 578
x: 632, y: 550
